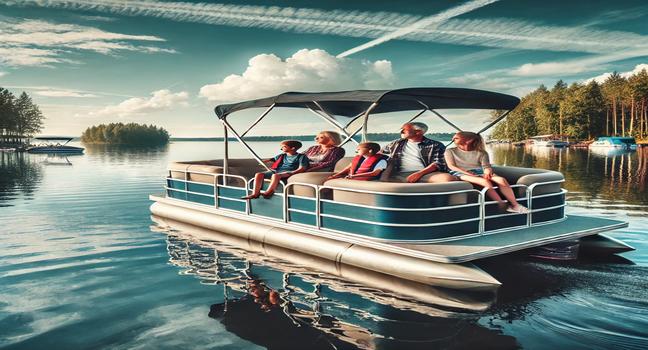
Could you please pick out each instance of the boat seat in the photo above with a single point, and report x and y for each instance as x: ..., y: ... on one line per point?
x: 242, y: 167
x: 340, y: 195
x: 529, y: 176
x: 315, y: 178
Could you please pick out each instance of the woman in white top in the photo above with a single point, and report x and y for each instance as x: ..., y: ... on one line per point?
x: 469, y: 162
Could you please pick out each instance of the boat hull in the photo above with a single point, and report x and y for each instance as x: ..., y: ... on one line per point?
x: 465, y: 276
x: 56, y: 150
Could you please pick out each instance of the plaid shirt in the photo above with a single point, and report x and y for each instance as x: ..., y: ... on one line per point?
x: 431, y: 153
x: 328, y: 161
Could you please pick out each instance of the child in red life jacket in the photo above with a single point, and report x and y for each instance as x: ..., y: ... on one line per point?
x: 367, y: 165
x: 284, y: 165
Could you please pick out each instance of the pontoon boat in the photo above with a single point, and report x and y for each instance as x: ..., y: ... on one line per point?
x: 548, y: 141
x: 48, y: 146
x: 425, y: 232
x: 615, y: 142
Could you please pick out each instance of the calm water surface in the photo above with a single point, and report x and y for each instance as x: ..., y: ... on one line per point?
x: 83, y: 266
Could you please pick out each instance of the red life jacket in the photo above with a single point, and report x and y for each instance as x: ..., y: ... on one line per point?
x: 278, y: 162
x: 360, y: 165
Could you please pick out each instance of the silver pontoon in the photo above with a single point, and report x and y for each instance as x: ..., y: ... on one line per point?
x: 426, y: 232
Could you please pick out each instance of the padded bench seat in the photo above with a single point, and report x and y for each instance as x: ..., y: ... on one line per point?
x: 242, y: 167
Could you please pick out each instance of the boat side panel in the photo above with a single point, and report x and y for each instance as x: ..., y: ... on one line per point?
x: 398, y: 232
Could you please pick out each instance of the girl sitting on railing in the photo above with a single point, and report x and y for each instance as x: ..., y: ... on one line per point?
x: 367, y: 165
x: 469, y: 162
x: 285, y: 164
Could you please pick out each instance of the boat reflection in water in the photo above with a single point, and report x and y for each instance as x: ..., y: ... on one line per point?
x: 302, y: 301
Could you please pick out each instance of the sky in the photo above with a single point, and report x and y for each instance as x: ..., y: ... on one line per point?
x: 167, y: 63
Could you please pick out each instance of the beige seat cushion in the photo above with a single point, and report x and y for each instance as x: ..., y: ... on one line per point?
x: 529, y: 176
x: 394, y: 187
x: 242, y: 167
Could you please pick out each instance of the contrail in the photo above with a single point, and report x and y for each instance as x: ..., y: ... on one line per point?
x: 425, y: 22
x: 376, y: 26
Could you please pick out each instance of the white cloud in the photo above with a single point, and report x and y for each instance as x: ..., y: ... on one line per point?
x: 602, y: 77
x: 2, y: 74
x: 160, y: 100
x: 575, y: 66
x: 499, y: 33
x: 40, y: 43
x: 306, y: 70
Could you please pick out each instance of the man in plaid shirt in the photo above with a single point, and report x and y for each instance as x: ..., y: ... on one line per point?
x: 415, y: 158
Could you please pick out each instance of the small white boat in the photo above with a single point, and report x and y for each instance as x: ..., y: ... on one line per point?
x: 615, y: 142
x: 48, y: 146
x: 548, y: 141
x: 430, y: 233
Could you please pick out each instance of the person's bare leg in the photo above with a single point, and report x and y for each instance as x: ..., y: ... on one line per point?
x: 490, y: 192
x: 274, y: 182
x: 437, y: 177
x: 506, y: 190
x: 258, y: 182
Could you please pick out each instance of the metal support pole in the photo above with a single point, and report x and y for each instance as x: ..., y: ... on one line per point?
x: 445, y: 120
x: 238, y: 137
x: 494, y: 122
x: 366, y: 121
x: 328, y: 118
x: 416, y: 116
x: 225, y: 155
x: 258, y: 120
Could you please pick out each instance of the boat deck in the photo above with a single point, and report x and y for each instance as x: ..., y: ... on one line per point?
x: 509, y: 241
x: 455, y: 251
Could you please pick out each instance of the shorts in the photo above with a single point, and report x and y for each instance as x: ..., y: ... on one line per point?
x: 268, y: 174
x: 478, y: 171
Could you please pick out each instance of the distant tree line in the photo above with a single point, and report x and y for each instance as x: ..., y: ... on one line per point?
x: 125, y: 134
x: 617, y: 107
x: 19, y: 117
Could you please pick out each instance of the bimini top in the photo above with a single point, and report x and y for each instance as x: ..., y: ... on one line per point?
x: 352, y: 103
x: 54, y: 138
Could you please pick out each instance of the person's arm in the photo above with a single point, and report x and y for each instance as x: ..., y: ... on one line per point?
x: 369, y: 174
x: 340, y: 173
x: 486, y: 165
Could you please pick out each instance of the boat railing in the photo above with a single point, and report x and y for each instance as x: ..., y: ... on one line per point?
x: 226, y: 190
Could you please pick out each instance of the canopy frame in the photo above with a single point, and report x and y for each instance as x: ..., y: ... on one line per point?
x: 319, y: 110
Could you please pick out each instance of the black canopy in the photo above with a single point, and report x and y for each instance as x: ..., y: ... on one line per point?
x: 352, y: 103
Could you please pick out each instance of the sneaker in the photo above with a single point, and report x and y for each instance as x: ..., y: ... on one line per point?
x: 520, y: 209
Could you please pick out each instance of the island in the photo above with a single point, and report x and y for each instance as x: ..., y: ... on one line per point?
x: 125, y: 134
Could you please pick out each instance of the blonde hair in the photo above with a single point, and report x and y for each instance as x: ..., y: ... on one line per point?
x: 334, y: 136
x: 474, y: 141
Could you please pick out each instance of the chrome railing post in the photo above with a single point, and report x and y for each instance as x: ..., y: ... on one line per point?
x: 318, y: 219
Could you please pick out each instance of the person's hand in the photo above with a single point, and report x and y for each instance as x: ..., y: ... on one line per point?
x: 488, y: 173
x: 349, y: 176
x: 415, y: 177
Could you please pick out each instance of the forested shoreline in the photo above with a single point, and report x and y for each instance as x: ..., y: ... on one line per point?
x: 20, y: 118
x: 125, y: 134
x: 370, y: 136
x: 581, y: 111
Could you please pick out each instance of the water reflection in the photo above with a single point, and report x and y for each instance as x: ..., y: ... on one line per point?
x: 124, y: 154
x: 19, y: 174
x: 590, y: 175
x: 280, y: 305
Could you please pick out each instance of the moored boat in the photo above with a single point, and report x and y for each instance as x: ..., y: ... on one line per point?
x: 615, y: 142
x: 548, y: 141
x: 425, y: 232
x: 52, y: 145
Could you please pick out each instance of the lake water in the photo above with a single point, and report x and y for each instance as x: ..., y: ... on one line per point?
x: 84, y: 267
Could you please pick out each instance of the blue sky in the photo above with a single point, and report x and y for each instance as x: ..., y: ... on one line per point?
x: 169, y: 63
